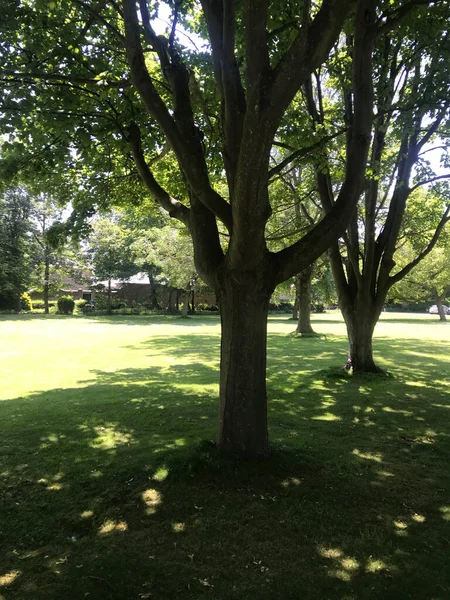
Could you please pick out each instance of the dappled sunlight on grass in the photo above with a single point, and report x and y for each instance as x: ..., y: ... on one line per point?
x: 109, y: 492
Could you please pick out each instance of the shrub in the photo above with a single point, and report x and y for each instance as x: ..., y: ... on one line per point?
x: 39, y: 304
x: 319, y: 308
x: 25, y: 302
x: 66, y: 304
x: 81, y: 303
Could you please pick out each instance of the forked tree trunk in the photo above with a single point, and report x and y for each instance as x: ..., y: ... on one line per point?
x: 361, y: 321
x: 304, y: 302
x: 243, y: 396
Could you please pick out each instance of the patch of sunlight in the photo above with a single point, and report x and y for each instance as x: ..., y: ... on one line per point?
x: 160, y: 474
x: 54, y: 483
x: 385, y: 474
x: 375, y: 565
x: 406, y: 413
x: 445, y: 510
x: 416, y: 384
x: 330, y: 552
x: 340, y: 574
x: 349, y: 564
x: 152, y: 498
x: 291, y: 481
x: 4, y: 473
x: 329, y: 401
x: 441, y: 405
x: 109, y: 437
x: 87, y: 514
x: 110, y: 526
x: 430, y: 433
x: 375, y: 456
x: 369, y: 409
x: 319, y: 386
x: 326, y: 417
x: 95, y: 474
x: 363, y: 389
x: 418, y: 518
x: 401, y: 524
x: 9, y: 578
x: 178, y: 527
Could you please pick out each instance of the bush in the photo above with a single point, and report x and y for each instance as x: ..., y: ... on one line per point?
x: 39, y: 304
x: 25, y: 302
x: 81, y: 303
x: 66, y: 304
x: 319, y: 308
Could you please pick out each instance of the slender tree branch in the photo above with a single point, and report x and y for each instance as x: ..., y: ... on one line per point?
x: 425, y: 182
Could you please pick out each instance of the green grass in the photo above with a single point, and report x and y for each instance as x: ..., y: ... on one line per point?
x: 108, y: 489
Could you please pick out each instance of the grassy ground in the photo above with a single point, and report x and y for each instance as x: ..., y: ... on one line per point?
x: 107, y: 490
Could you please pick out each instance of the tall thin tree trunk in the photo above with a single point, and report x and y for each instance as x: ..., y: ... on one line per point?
x: 186, y: 303
x: 304, y: 302
x: 243, y: 395
x: 193, y: 303
x: 109, y: 303
x: 46, y: 279
x: 297, y: 296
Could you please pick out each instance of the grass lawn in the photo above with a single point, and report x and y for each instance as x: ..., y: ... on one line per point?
x: 108, y: 489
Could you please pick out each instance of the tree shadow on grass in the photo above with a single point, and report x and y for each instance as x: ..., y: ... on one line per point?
x: 107, y: 493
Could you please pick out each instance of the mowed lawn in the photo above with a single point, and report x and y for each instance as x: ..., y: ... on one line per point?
x: 110, y: 487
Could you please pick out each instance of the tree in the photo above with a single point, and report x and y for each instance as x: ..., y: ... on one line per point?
x: 15, y: 248
x: 44, y: 212
x: 119, y: 87
x: 429, y: 280
x: 171, y: 251
x: 109, y: 253
x: 412, y: 117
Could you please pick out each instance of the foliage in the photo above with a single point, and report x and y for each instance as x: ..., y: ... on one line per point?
x: 26, y: 303
x: 16, y: 249
x: 66, y: 305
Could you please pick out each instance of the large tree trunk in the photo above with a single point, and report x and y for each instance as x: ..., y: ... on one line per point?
x: 243, y: 396
x: 361, y: 321
x: 46, y: 279
x: 304, y: 302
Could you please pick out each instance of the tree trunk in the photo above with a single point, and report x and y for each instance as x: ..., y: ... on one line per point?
x: 186, y: 303
x: 193, y: 303
x: 108, y: 301
x: 46, y: 279
x: 171, y: 305
x: 297, y: 296
x: 243, y: 396
x: 304, y: 302
x: 153, y: 299
x: 361, y: 321
x: 440, y: 308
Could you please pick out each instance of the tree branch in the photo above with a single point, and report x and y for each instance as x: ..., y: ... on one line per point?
x: 425, y: 182
x: 398, y: 276
x: 173, y: 207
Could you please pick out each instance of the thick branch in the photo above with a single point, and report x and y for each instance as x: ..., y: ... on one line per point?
x: 299, y: 255
x: 173, y: 207
x: 108, y: 83
x: 432, y: 243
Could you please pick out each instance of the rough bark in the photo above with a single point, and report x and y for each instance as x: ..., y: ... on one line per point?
x: 304, y: 302
x: 360, y: 319
x: 243, y: 395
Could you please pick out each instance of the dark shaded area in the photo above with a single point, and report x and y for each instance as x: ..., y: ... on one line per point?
x: 107, y: 492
